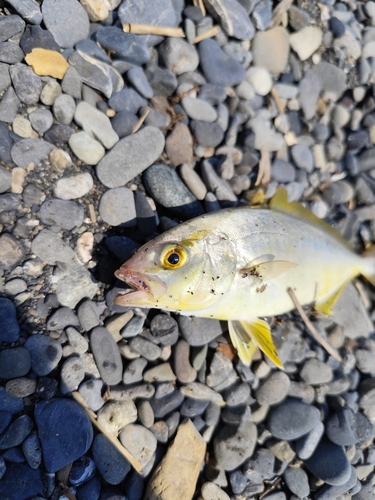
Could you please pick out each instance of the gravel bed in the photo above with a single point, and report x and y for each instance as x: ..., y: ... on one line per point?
x: 108, y: 138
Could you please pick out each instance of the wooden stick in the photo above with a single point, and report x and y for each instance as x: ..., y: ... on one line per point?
x: 264, y: 171
x: 271, y: 488
x: 150, y: 29
x: 207, y: 34
x: 312, y: 329
x: 275, y: 95
x: 137, y: 126
x: 279, y: 11
x: 116, y: 443
x: 92, y: 213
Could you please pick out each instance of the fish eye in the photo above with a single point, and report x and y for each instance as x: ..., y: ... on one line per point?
x: 173, y: 257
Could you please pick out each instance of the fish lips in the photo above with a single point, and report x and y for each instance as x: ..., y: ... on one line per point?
x: 144, y: 288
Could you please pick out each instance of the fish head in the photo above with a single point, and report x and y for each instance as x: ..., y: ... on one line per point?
x: 184, y: 269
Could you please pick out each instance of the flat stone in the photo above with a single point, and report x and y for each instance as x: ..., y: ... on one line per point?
x: 329, y: 463
x: 315, y: 372
x: 45, y: 353
x: 185, y: 453
x: 9, y: 106
x: 106, y: 354
x: 27, y: 84
x: 306, y: 445
x: 219, y: 68
x: 10, y: 53
x: 16, y: 433
x: 332, y: 80
x: 36, y: 37
x: 163, y: 81
x: 184, y: 371
x: 282, y: 171
x: 160, y: 373
x: 73, y: 187
x: 347, y: 428
x: 198, y: 109
x: 28, y: 10
x: 71, y: 83
x: 199, y: 331
x: 292, y: 419
x: 28, y: 151
x: 63, y: 108
x: 271, y: 49
x: 125, y: 46
x: 208, y: 135
x: 96, y: 123
x: 134, y: 371
x: 21, y: 482
x: 128, y: 157
x: 274, y: 389
x: 234, y: 18
x: 309, y: 90
x: 117, y: 207
x: 50, y: 247
x: 86, y: 148
x: 116, y: 415
x: 12, y: 251
x: 124, y: 122
x: 178, y: 56
x: 47, y: 63
x: 74, y: 283
x: 64, y: 430
x: 210, y: 491
x: 140, y: 442
x: 32, y: 450
x: 306, y: 41
x: 62, y: 213
x: 88, y: 314
x: 4, y: 77
x: 165, y: 186
x: 22, y: 127
x: 72, y: 374
x: 14, y: 363
x: 9, y: 404
x: 179, y: 145
x: 303, y: 157
x: 297, y: 481
x: 76, y: 340
x: 69, y: 24
x: 112, y: 465
x: 9, y: 26
x: 233, y: 445
x: 127, y: 99
x: 164, y: 405
x: 10, y: 330
x: 20, y: 387
x: 145, y: 348
x: 260, y: 79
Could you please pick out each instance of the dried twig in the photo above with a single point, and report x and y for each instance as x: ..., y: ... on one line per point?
x: 92, y: 213
x: 279, y: 11
x: 275, y: 95
x: 271, y: 488
x: 150, y: 29
x: 138, y: 125
x: 331, y: 350
x: 264, y: 171
x: 129, y: 457
x: 207, y: 34
x: 200, y: 4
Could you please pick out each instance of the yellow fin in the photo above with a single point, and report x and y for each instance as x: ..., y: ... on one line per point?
x: 280, y: 203
x: 326, y: 306
x: 268, y: 270
x: 246, y: 334
x: 368, y: 270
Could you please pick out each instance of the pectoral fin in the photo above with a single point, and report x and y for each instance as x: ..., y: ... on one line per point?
x: 268, y: 270
x: 245, y: 335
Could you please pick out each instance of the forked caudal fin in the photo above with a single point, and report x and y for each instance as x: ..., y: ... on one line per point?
x: 247, y: 335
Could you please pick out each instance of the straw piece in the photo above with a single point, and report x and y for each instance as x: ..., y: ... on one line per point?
x: 92, y: 213
x: 264, y: 171
x: 275, y: 95
x: 129, y: 457
x: 138, y: 125
x: 312, y: 329
x: 279, y: 11
x: 150, y: 29
x: 207, y: 34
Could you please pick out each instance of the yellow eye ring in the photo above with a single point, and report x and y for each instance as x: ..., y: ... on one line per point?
x: 173, y: 257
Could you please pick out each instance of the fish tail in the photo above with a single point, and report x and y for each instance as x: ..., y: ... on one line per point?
x: 368, y: 270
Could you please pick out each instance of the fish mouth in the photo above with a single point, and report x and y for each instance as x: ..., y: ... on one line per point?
x: 144, y: 288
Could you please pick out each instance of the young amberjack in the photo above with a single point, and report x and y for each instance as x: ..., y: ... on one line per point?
x: 237, y: 265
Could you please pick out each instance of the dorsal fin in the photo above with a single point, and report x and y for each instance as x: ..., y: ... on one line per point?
x: 280, y: 203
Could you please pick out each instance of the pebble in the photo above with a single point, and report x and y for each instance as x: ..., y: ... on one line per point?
x: 166, y: 404
x: 74, y: 283
x: 116, y: 415
x: 164, y: 329
x: 11, y: 251
x: 20, y: 387
x: 5, y: 180
x: 162, y: 81
x: 67, y: 25
x: 64, y: 214
x: 95, y: 123
x: 178, y: 56
x: 117, y: 207
x: 297, y: 481
x: 164, y: 185
x: 284, y: 421
x: 274, y: 389
x: 27, y: 84
x: 16, y: 433
x: 233, y: 446
x: 260, y: 80
x: 107, y: 355
x: 302, y: 157
x: 128, y: 157
x: 306, y: 41
x: 219, y: 68
x: 346, y: 428
x: 138, y: 79
x: 198, y: 109
x: 111, y: 464
x: 127, y: 47
x: 145, y: 413
x: 134, y: 371
x: 45, y: 353
x: 199, y: 331
x: 271, y: 49
x: 9, y: 106
x: 86, y: 148
x: 145, y: 348
x: 20, y: 481
x: 208, y: 135
x: 14, y: 363
x: 282, y: 171
x: 73, y: 187
x: 27, y: 151
x: 184, y: 371
x: 32, y: 450
x: 332, y: 79
x: 10, y: 404
x: 315, y: 372
x: 306, y: 445
x: 211, y: 491
x: 140, y: 442
x: 72, y: 374
x: 179, y: 145
x: 91, y: 391
x: 329, y: 463
x: 50, y: 247
x: 64, y: 430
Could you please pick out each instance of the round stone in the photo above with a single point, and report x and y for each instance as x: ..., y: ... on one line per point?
x: 76, y: 186
x: 10, y: 330
x: 111, y: 464
x: 260, y: 79
x: 14, y: 362
x: 292, y: 419
x: 178, y: 56
x: 62, y: 213
x: 117, y: 207
x: 329, y: 463
x: 140, y: 442
x: 86, y: 148
x: 115, y: 415
x: 274, y: 389
x: 45, y: 353
x: 315, y: 372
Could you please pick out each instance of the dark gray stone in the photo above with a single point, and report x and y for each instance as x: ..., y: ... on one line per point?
x: 28, y: 151
x: 5, y: 418
x: 45, y: 353
x: 233, y: 445
x: 329, y: 463
x: 9, y: 106
x: 145, y: 348
x: 124, y: 122
x: 164, y: 329
x: 4, y: 77
x: 16, y: 433
x: 163, y: 81
x: 64, y: 430
x: 10, y: 26
x: 21, y: 482
x: 88, y: 314
x: 41, y: 120
x: 82, y: 470
x: 51, y: 248
x: 36, y: 37
x: 327, y: 492
x: 127, y: 100
x: 346, y: 428
x: 92, y: 49
x: 10, y: 53
x: 297, y: 481
x: 292, y: 419
x: 112, y: 466
x: 260, y: 467
x: 107, y: 355
x: 138, y: 79
x: 9, y: 403
x: 121, y: 247
x: 14, y: 363
x: 134, y: 370
x: 27, y: 84
x: 208, y: 135
x: 29, y: 10
x: 10, y: 330
x: 199, y: 331
x: 62, y: 213
x: 163, y: 406
x: 32, y: 450
x: 218, y: 67
x: 126, y: 46
x: 282, y: 171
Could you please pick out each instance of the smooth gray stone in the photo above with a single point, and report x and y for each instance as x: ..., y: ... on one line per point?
x: 9, y: 106
x: 164, y: 329
x: 68, y: 22
x: 62, y: 213
x: 127, y: 100
x: 292, y: 419
x: 71, y: 83
x: 29, y: 10
x: 138, y: 79
x: 178, y: 56
x: 88, y: 314
x: 72, y: 374
x: 41, y: 120
x: 310, y: 88
x: 297, y: 481
x: 16, y: 433
x: 134, y: 371
x: 208, y: 135
x: 62, y: 318
x: 328, y: 492
x: 27, y: 84
x: 76, y: 340
x: 10, y: 26
x: 14, y: 363
x: 123, y: 123
x: 10, y: 53
x: 219, y: 68
x: 51, y: 248
x: 75, y: 283
x: 166, y: 187
x: 113, y: 466
x: 91, y: 391
x: 347, y: 428
x: 305, y: 446
x: 163, y: 406
x: 117, y: 207
x: 9, y: 403
x: 12, y: 251
x: 260, y: 467
x: 234, y: 18
x: 329, y: 463
x: 331, y: 78
x: 36, y: 37
x: 145, y: 413
x: 32, y: 450
x: 45, y: 353
x: 145, y: 348
x: 140, y: 441
x: 233, y: 445
x: 131, y: 48
x: 28, y: 151
x: 92, y: 49
x: 199, y: 331
x: 163, y: 81
x: 10, y: 330
x: 4, y: 77
x: 282, y: 171
x: 128, y: 158
x: 107, y: 355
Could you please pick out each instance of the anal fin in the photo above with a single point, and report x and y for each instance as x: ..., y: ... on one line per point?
x: 247, y: 335
x: 326, y: 306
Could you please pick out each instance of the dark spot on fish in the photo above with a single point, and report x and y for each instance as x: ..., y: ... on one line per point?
x: 261, y: 289
x: 170, y: 296
x: 213, y: 279
x: 204, y: 272
x: 217, y: 277
x: 212, y: 290
x: 244, y: 275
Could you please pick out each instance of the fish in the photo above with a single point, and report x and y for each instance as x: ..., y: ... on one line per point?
x: 237, y: 265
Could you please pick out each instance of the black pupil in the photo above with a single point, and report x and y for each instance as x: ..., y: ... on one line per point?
x: 174, y: 259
